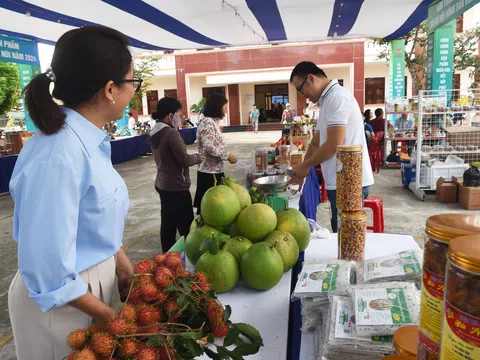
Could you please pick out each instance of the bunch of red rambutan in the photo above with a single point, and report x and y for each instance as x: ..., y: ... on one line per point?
x: 145, y: 327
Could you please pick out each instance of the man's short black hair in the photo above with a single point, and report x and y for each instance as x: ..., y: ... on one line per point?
x: 305, y: 68
x: 378, y: 112
x: 254, y: 105
x: 130, y: 114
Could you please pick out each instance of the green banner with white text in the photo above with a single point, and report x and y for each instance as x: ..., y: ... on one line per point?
x: 397, y: 69
x: 440, y: 57
x: 441, y: 12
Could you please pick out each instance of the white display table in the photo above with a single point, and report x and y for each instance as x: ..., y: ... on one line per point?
x: 268, y: 310
x: 376, y: 245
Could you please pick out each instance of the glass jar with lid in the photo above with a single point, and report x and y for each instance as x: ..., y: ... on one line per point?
x: 405, y: 341
x: 352, y: 235
x: 461, y: 319
x: 440, y: 230
x: 349, y: 178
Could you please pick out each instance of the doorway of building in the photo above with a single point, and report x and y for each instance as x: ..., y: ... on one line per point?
x: 271, y: 100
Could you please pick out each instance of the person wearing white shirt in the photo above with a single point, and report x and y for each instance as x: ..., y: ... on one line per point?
x: 131, y: 121
x: 339, y: 123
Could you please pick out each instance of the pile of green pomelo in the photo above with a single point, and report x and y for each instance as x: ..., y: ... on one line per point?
x: 234, y: 239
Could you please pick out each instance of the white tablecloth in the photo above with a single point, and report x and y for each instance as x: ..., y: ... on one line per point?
x: 376, y: 245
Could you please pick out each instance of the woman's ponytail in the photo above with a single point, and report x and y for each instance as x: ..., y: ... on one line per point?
x: 46, y: 114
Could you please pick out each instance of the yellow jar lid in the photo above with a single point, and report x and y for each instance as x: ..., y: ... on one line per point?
x: 397, y: 357
x: 465, y: 252
x: 356, y: 215
x: 405, y: 340
x: 446, y: 227
x: 349, y: 148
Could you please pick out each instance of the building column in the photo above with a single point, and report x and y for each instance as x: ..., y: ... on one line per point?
x: 234, y: 104
x: 359, y: 73
x: 301, y: 101
x: 181, y: 87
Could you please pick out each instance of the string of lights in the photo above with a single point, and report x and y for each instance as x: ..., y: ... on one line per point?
x: 245, y: 24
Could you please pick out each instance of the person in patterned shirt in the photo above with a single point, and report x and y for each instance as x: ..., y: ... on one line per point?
x: 211, y: 145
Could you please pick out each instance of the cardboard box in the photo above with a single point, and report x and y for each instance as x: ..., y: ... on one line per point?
x: 469, y: 197
x: 458, y: 181
x: 296, y: 158
x: 463, y: 135
x: 446, y: 191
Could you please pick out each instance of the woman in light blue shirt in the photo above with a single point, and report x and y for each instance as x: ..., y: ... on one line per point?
x: 70, y: 203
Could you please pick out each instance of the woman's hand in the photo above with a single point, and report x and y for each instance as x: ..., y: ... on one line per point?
x: 124, y: 271
x: 104, y: 320
x: 232, y: 159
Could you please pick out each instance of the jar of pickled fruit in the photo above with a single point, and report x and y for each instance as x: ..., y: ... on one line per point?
x: 461, y: 316
x: 440, y: 230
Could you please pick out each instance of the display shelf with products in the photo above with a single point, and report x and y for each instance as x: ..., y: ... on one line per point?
x: 454, y: 116
x: 396, y: 136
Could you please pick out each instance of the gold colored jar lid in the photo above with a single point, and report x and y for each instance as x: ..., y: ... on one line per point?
x: 397, y: 357
x: 465, y: 252
x: 357, y: 215
x: 349, y: 148
x: 446, y: 227
x: 405, y: 340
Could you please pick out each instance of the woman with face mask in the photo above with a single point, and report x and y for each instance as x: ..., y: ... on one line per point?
x: 173, y: 176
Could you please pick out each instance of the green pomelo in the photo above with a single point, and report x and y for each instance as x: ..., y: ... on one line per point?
x: 256, y: 221
x: 221, y: 269
x: 287, y: 247
x: 293, y: 222
x: 197, y: 223
x: 242, y: 194
x: 238, y: 246
x: 262, y: 266
x: 195, y: 239
x: 220, y: 206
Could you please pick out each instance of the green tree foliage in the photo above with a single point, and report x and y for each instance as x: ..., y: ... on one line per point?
x: 465, y: 57
x: 143, y: 68
x: 9, y: 86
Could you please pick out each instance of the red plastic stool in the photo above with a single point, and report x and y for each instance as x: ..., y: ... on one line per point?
x: 376, y: 204
x: 323, y: 189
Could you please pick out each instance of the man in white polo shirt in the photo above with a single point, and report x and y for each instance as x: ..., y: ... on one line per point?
x: 339, y: 123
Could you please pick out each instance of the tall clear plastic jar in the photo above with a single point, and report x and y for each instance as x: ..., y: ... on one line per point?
x: 353, y: 232
x: 440, y: 230
x: 461, y: 319
x: 349, y: 178
x: 405, y: 341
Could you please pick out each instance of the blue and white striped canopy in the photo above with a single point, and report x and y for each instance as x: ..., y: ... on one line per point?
x: 196, y: 24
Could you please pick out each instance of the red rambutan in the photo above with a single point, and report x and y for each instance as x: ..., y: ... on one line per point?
x: 150, y: 329
x: 93, y: 329
x: 146, y: 266
x: 103, y: 344
x: 174, y: 254
x: 214, y: 312
x: 146, y: 353
x: 133, y: 329
x: 85, y: 354
x: 149, y: 315
x: 160, y: 259
x: 149, y: 291
x: 172, y: 309
x: 183, y: 273
x: 166, y: 353
x: 220, y: 330
x: 161, y: 297
x: 77, y: 339
x: 201, y: 277
x: 129, y: 348
x: 173, y: 263
x: 164, y: 277
x: 135, y: 296
x: 118, y: 327
x: 127, y: 313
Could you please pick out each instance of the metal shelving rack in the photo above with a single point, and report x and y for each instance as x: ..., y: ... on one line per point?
x: 398, y: 106
x: 444, y: 148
